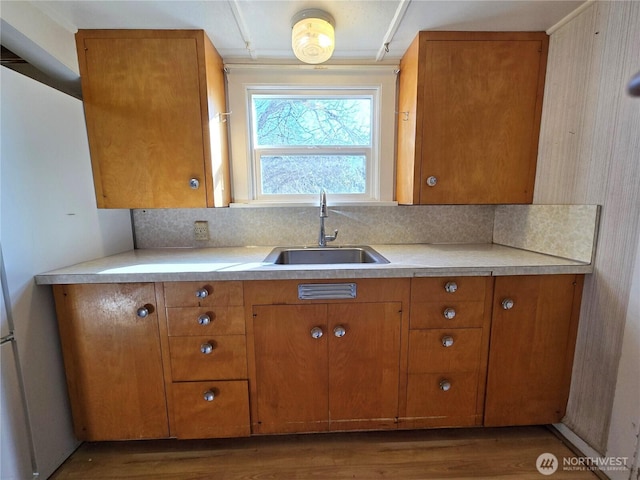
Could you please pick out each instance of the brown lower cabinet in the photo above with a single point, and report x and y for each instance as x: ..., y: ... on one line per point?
x: 222, y: 359
x: 533, y: 336
x: 112, y: 358
x: 447, y: 354
x: 326, y: 366
x: 205, y: 359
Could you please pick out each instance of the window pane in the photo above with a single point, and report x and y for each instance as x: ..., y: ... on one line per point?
x: 306, y: 121
x: 308, y: 174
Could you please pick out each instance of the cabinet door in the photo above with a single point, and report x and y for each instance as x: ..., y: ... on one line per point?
x: 364, y: 356
x: 152, y: 99
x: 531, y: 350
x: 291, y: 368
x: 482, y: 107
x: 142, y: 102
x: 112, y: 360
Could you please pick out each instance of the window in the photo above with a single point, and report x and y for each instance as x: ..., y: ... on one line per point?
x: 311, y: 130
x: 304, y: 142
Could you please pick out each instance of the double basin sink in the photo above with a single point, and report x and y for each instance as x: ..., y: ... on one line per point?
x: 324, y: 255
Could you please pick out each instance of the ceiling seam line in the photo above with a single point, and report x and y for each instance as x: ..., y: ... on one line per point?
x: 242, y: 26
x: 393, y: 28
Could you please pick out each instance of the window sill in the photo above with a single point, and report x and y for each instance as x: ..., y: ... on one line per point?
x: 312, y: 204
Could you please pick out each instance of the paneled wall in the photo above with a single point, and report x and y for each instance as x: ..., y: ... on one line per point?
x: 590, y: 153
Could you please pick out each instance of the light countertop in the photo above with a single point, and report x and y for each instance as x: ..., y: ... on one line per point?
x: 247, y: 263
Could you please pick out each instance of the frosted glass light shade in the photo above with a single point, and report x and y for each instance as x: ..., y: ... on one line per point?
x: 312, y: 36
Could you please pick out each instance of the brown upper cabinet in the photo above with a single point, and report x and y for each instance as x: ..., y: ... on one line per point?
x: 469, y: 117
x: 155, y: 109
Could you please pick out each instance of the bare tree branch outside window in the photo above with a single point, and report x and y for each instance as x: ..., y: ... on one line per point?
x: 319, y: 143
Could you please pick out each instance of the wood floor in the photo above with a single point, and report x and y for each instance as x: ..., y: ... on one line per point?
x: 504, y: 453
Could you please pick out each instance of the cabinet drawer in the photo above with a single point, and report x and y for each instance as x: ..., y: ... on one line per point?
x: 445, y: 289
x: 452, y: 314
x: 205, y: 321
x: 426, y: 398
x: 211, y: 409
x: 202, y: 294
x: 226, y: 360
x: 428, y: 353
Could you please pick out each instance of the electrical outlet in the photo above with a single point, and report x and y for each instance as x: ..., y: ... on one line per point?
x: 201, y: 230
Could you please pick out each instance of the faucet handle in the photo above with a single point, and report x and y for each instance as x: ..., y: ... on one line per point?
x: 331, y: 238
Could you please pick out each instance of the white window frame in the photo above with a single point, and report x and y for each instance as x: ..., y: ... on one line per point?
x: 379, y: 81
x: 370, y: 151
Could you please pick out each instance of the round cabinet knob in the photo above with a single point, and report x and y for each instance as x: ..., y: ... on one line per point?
x: 204, y: 319
x: 449, y: 313
x: 202, y: 293
x: 451, y: 287
x: 316, y: 332
x: 507, y: 304
x: 445, y: 385
x: 209, y: 396
x: 206, y: 348
x: 447, y: 341
x: 143, y: 312
x: 432, y: 181
x: 194, y: 183
x: 339, y: 331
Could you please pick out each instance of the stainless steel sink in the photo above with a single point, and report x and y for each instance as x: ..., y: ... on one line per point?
x: 324, y: 255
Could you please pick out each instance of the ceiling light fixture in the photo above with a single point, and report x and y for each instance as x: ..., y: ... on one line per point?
x: 312, y: 36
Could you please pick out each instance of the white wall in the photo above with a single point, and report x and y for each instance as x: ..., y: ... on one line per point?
x: 49, y: 219
x: 34, y: 36
x: 589, y: 153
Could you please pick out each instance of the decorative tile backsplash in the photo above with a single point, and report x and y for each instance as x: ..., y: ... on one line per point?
x: 562, y: 230
x: 229, y: 227
x: 568, y: 231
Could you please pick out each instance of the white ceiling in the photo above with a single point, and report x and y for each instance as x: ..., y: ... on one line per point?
x: 362, y: 26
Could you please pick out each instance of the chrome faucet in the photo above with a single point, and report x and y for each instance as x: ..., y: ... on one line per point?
x: 323, y: 239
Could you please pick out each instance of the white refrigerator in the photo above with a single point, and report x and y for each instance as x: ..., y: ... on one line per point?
x: 48, y: 220
x: 17, y: 459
